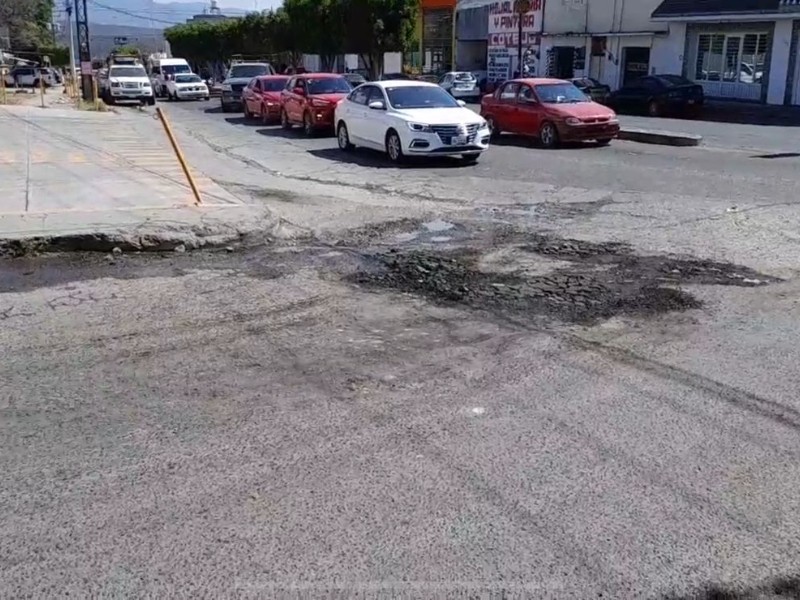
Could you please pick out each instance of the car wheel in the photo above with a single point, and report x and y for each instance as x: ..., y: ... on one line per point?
x: 394, y: 147
x: 494, y: 130
x: 470, y: 158
x: 285, y: 123
x: 224, y: 107
x: 151, y: 101
x: 653, y: 109
x: 247, y: 114
x: 264, y: 115
x: 343, y: 137
x: 308, y: 125
x: 548, y: 135
x: 604, y: 142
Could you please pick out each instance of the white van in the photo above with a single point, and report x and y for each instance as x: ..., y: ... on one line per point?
x: 162, y: 69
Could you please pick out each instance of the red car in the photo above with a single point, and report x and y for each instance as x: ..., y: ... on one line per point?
x: 262, y: 97
x: 552, y: 110
x: 309, y: 100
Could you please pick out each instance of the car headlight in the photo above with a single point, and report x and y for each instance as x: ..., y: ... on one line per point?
x: 115, y: 84
x: 226, y: 87
x: 572, y: 121
x: 614, y: 120
x: 146, y: 85
x: 482, y: 125
x: 420, y: 127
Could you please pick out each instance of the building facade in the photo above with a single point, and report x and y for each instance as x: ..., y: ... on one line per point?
x: 736, y: 49
x: 612, y: 41
x: 435, y: 29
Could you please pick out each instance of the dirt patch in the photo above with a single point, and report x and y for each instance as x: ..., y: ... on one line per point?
x: 589, y: 281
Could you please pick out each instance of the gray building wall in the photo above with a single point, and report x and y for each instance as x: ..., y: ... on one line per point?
x: 472, y: 24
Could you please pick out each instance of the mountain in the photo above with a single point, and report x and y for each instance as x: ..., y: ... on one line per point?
x: 146, y: 13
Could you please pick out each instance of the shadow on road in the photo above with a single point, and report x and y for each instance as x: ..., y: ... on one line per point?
x: 521, y: 141
x: 244, y: 121
x: 279, y: 132
x: 213, y: 109
x: 370, y: 158
x: 781, y: 587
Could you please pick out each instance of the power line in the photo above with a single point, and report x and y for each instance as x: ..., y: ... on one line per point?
x: 131, y: 14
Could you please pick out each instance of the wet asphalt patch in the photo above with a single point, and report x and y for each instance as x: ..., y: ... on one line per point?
x: 570, y: 280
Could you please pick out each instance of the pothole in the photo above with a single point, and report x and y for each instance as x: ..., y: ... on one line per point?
x: 570, y: 280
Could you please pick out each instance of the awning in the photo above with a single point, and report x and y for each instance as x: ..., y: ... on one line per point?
x: 682, y: 9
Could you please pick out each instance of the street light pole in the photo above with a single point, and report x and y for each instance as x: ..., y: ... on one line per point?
x: 523, y: 8
x: 73, y: 75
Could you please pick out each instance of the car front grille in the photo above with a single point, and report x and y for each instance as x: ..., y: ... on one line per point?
x: 131, y: 85
x: 447, y: 132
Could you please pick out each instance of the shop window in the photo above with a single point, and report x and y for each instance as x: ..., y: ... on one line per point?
x: 731, y: 58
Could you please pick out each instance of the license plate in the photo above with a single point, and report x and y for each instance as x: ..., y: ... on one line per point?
x: 459, y: 140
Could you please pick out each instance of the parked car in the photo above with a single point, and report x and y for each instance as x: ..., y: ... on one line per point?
x: 593, y: 88
x: 354, y: 79
x: 404, y: 118
x: 395, y: 77
x: 460, y: 84
x: 29, y: 77
x: 262, y: 97
x: 659, y: 95
x: 126, y: 83
x: 309, y: 100
x: 239, y: 75
x: 187, y: 86
x: 550, y: 110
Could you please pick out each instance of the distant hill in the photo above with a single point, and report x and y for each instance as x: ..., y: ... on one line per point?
x: 103, y: 38
x: 146, y: 13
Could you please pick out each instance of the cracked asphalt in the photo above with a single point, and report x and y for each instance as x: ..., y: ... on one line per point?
x: 556, y: 374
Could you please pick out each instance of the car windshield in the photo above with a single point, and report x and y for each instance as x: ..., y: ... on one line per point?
x: 274, y: 85
x: 673, y: 80
x: 465, y: 77
x: 328, y: 85
x: 355, y: 78
x: 187, y: 79
x: 175, y: 69
x: 243, y: 71
x: 418, y: 96
x: 127, y: 72
x: 559, y: 93
x: 586, y: 82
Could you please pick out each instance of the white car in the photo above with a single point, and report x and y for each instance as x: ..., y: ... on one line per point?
x: 187, y: 86
x: 409, y: 118
x: 461, y: 84
x: 127, y: 82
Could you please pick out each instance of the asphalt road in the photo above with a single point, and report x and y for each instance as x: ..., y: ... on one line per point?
x: 312, y: 417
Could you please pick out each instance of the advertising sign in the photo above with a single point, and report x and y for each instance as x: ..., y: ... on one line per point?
x: 504, y: 23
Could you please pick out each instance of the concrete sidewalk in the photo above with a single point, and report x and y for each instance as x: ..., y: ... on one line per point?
x: 67, y: 173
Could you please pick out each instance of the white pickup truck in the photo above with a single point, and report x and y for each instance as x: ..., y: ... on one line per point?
x: 126, y: 82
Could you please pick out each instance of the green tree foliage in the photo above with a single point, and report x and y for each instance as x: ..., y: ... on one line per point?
x: 29, y: 22
x: 324, y: 27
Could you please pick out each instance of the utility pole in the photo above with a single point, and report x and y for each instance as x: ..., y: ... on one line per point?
x: 523, y: 8
x: 84, y: 53
x: 73, y: 76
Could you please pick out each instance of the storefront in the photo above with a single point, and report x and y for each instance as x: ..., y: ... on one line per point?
x: 747, y: 55
x: 436, y: 33
x: 504, y: 43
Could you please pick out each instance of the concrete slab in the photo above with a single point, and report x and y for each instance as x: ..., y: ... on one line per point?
x: 65, y: 172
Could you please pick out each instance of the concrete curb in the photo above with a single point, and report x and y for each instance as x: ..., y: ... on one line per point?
x: 663, y: 138
x: 140, y: 230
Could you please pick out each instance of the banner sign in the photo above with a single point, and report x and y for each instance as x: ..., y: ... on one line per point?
x: 504, y: 23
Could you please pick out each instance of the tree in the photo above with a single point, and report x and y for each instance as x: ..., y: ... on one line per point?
x: 375, y: 27
x: 29, y: 22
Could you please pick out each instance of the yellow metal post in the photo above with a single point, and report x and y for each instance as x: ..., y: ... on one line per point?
x: 94, y: 93
x: 3, y: 98
x: 41, y: 87
x: 179, y: 154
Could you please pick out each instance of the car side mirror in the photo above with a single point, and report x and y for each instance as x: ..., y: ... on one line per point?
x: 461, y: 103
x: 377, y: 105
x: 299, y: 91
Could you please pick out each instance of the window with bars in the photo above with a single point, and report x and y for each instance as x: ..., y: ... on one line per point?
x: 731, y: 57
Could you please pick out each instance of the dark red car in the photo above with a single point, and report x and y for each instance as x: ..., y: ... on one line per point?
x: 552, y: 110
x: 262, y: 97
x: 310, y: 99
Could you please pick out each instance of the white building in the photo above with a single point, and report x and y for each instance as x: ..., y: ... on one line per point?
x: 736, y: 49
x: 612, y: 41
